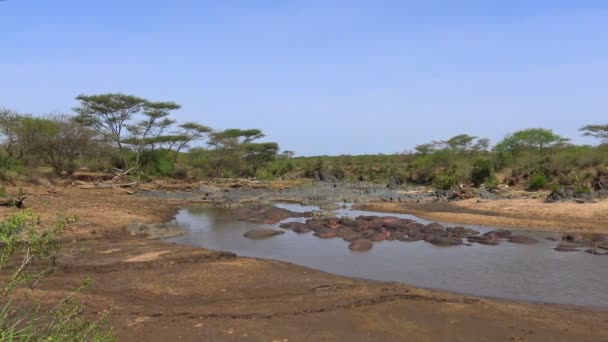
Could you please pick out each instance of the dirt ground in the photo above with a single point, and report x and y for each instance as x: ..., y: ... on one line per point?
x: 158, y: 291
x: 533, y: 214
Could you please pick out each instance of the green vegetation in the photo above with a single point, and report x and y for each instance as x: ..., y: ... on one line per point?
x: 28, y: 250
x: 130, y: 133
x: 127, y: 132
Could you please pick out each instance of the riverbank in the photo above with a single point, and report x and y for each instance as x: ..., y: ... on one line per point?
x: 531, y: 214
x: 160, y: 291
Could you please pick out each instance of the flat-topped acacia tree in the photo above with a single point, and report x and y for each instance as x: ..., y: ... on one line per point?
x: 596, y: 131
x: 539, y: 139
x: 111, y: 114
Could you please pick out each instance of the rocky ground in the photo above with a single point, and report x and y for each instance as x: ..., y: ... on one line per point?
x: 159, y: 291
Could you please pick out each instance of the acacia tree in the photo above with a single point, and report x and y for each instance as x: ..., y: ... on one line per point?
x: 259, y: 154
x: 287, y: 154
x: 148, y: 132
x: 229, y: 148
x: 109, y: 115
x: 596, y: 131
x: 538, y: 139
x: 189, y: 132
x: 460, y: 143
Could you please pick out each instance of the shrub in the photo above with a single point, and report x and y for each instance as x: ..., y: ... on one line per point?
x: 34, y: 248
x: 538, y: 181
x: 482, y: 171
x: 491, y: 182
x: 445, y: 181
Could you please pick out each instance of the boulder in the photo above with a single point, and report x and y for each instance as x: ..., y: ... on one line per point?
x: 262, y: 233
x: 361, y: 245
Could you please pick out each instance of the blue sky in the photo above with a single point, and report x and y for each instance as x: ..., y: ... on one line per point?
x: 320, y: 77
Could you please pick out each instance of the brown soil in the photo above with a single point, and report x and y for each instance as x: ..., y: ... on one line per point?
x: 158, y: 291
x: 532, y: 214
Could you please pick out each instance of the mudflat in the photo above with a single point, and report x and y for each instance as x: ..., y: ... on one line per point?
x: 159, y: 291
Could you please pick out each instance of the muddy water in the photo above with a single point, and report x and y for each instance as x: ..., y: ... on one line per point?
x: 509, y: 271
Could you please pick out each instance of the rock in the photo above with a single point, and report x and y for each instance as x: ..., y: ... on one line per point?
x: 262, y: 233
x: 526, y: 240
x: 561, y: 194
x: 603, y: 245
x: 487, y: 195
x: 444, y: 241
x: 361, y: 245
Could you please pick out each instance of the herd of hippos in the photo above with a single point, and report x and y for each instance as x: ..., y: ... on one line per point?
x: 361, y: 232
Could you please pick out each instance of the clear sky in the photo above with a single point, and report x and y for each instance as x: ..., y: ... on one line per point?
x: 320, y: 76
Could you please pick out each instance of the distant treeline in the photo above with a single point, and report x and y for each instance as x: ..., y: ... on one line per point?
x: 118, y: 131
x: 534, y: 158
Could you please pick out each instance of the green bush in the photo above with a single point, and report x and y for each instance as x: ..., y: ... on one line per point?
x: 481, y: 172
x: 156, y: 162
x: 446, y: 181
x: 491, y: 182
x: 537, y: 182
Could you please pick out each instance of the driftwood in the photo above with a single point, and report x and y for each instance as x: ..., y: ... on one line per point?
x: 13, y: 202
x: 106, y: 185
x: 110, y: 184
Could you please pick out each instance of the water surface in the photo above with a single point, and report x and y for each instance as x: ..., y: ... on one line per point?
x: 510, y: 271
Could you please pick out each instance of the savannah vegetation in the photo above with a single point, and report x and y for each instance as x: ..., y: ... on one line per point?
x: 118, y: 131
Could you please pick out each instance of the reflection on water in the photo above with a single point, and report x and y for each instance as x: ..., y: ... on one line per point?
x: 510, y: 271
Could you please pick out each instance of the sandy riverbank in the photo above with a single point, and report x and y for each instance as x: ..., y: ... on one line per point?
x: 531, y: 214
